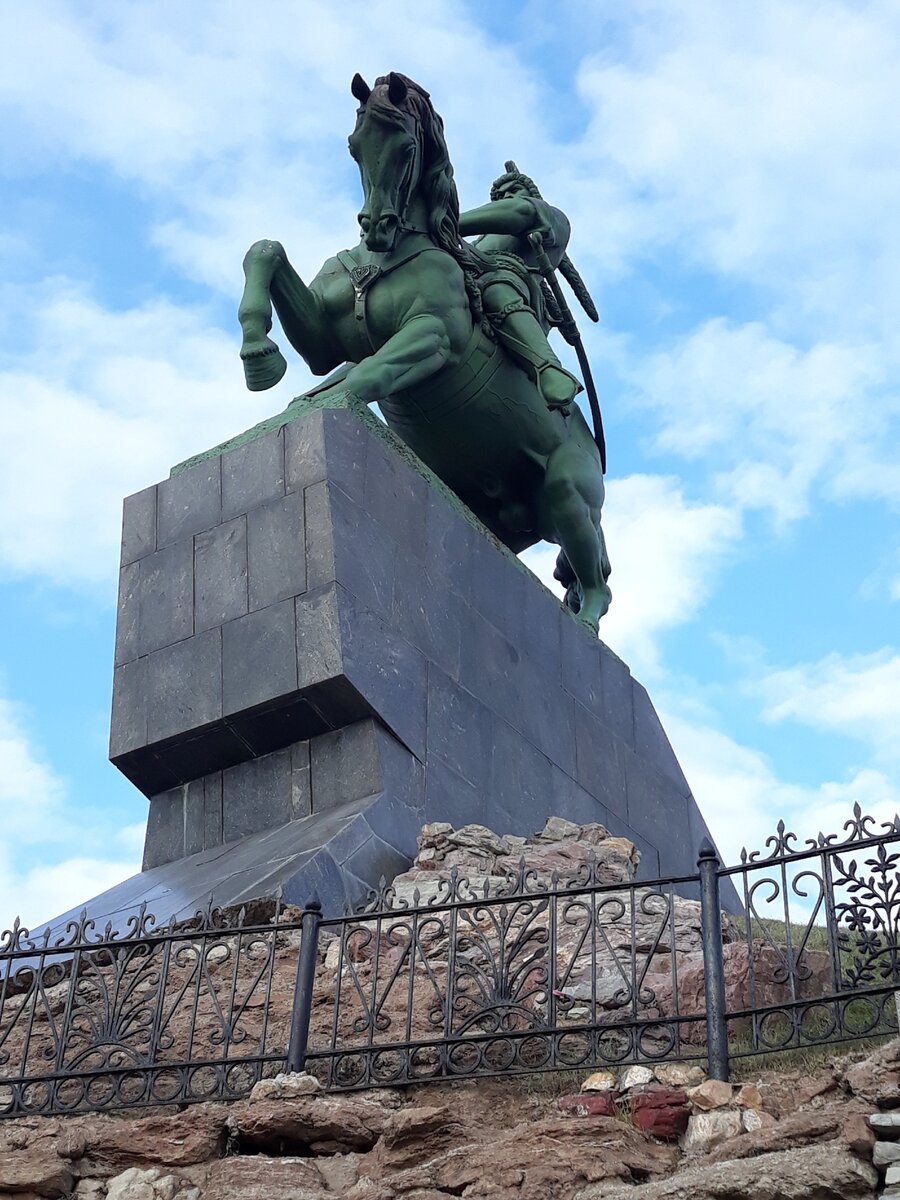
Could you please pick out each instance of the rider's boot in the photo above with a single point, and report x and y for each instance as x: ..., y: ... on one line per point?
x: 521, y: 334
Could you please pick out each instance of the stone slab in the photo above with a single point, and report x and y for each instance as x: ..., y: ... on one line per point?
x: 317, y: 579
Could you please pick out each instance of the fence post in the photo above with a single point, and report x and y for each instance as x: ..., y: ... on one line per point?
x: 303, y: 988
x: 713, y: 962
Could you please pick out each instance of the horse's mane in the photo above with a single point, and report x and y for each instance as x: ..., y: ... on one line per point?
x: 438, y: 185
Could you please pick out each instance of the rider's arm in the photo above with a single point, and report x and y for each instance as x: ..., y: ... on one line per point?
x: 514, y: 214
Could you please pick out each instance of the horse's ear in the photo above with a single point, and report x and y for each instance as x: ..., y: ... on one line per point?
x: 360, y: 89
x: 397, y: 89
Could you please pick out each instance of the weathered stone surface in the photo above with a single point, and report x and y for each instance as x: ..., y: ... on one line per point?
x: 661, y: 1112
x: 804, y: 1128
x: 707, y: 1129
x: 679, y: 1075
x: 748, y: 1096
x: 588, y: 1104
x: 634, y: 1077
x: 37, y: 1170
x: 877, y: 1078
x: 600, y: 1081
x: 151, y: 1184
x: 885, y: 1153
x: 104, y: 1146
x: 815, y: 1173
x: 285, y: 1087
x: 886, y: 1125
x: 321, y: 1124
x: 260, y: 1178
x: 712, y: 1093
x: 413, y: 1134
x: 752, y: 1120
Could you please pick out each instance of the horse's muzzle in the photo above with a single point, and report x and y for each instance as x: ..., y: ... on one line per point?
x: 380, y: 235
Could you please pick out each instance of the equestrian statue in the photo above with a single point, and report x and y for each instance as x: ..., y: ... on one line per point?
x: 450, y: 337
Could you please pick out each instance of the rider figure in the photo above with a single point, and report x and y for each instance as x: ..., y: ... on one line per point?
x: 511, y: 289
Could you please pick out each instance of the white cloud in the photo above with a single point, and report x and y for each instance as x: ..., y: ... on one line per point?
x: 101, y: 405
x: 666, y: 553
x: 854, y: 695
x: 743, y: 798
x: 36, y: 816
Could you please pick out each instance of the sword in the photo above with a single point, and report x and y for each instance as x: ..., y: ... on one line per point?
x: 569, y: 330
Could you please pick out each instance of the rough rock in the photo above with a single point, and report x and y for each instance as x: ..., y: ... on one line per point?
x: 339, y: 1171
x: 748, y: 1096
x: 752, y: 1120
x: 259, y: 1178
x: 286, y: 1087
x: 812, y: 1126
x: 414, y: 1133
x: 549, y: 1159
x: 102, y: 1146
x: 38, y: 1171
x: 886, y: 1125
x: 151, y: 1184
x: 815, y: 1173
x: 600, y: 1081
x: 707, y: 1129
x: 885, y: 1153
x: 634, y: 1077
x: 877, y: 1078
x: 679, y: 1075
x: 713, y: 1093
x: 588, y: 1104
x: 661, y: 1112
x: 321, y: 1124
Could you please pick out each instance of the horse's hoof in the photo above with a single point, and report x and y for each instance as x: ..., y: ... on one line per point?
x: 264, y: 365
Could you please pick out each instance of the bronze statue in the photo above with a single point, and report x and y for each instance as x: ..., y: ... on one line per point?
x: 448, y: 337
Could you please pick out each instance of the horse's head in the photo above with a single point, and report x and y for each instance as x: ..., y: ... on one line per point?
x: 388, y: 145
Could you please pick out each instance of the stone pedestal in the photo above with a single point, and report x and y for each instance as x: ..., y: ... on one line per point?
x: 319, y: 648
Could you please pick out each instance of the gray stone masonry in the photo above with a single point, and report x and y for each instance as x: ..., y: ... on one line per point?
x: 317, y: 580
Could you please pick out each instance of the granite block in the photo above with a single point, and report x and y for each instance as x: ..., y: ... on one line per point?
x: 581, y: 665
x: 345, y: 765
x: 304, y: 452
x: 376, y: 859
x: 184, y: 686
x: 301, y: 781
x: 396, y: 495
x: 128, y: 726
x: 521, y: 782
x: 319, y: 645
x: 650, y: 739
x: 460, y: 730
x: 386, y: 670
x: 276, y: 548
x: 450, y: 538
x: 600, y: 761
x: 189, y: 502
x: 348, y: 441
x: 214, y: 747
x: 430, y: 618
x: 220, y: 574
x: 128, y: 613
x: 194, y: 815
x: 166, y: 606
x: 271, y: 726
x: 165, y: 829
x: 259, y: 661
x: 138, y: 525
x: 654, y: 806
x: 451, y: 797
x: 319, y: 530
x: 252, y: 474
x: 212, y: 810
x: 618, y: 696
x: 256, y: 795
x: 364, y: 553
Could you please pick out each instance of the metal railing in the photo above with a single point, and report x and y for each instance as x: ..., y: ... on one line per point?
x: 532, y: 971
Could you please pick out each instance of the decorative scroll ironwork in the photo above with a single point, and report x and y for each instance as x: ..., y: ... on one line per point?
x: 146, y: 1015
x: 462, y: 977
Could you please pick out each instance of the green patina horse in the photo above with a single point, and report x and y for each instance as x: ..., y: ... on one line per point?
x: 402, y: 311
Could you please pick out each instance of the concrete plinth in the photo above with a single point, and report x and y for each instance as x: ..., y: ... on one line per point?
x: 318, y: 649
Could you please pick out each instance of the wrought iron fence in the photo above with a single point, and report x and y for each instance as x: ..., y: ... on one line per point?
x: 463, y: 978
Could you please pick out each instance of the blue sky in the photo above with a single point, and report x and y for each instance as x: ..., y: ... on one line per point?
x: 733, y: 178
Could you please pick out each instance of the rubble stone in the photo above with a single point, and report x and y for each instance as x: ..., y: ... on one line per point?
x: 588, y: 1104
x: 636, y: 1076
x: 707, y: 1129
x: 600, y: 1081
x: 712, y: 1093
x: 286, y: 1087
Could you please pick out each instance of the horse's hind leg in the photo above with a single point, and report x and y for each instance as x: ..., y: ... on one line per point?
x: 264, y: 364
x: 571, y: 502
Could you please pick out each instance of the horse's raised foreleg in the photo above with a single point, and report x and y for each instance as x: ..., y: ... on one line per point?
x: 416, y: 351
x: 571, y: 502
x: 271, y: 278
